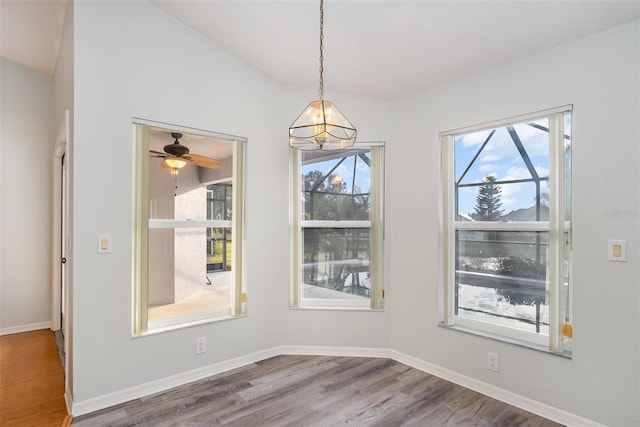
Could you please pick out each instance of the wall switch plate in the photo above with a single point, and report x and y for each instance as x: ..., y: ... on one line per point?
x: 201, y: 345
x: 617, y: 250
x: 104, y: 244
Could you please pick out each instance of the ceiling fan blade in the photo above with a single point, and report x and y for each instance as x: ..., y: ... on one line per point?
x: 157, y: 152
x: 202, y: 161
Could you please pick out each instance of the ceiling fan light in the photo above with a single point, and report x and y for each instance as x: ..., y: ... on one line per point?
x: 175, y: 163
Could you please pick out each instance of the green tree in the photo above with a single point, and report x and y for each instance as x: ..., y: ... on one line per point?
x: 328, y: 197
x: 488, y: 201
x: 323, y: 195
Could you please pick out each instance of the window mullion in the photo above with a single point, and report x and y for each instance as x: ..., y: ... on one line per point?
x: 376, y: 229
x: 295, y: 231
x: 556, y: 231
x: 502, y: 226
x: 237, y: 231
x: 447, y: 228
x: 188, y: 223
x: 141, y: 228
x: 336, y: 224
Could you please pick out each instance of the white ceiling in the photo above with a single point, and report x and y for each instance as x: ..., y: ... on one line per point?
x: 30, y: 32
x: 381, y: 49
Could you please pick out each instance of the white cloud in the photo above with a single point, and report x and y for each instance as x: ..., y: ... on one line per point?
x: 508, y: 202
x: 473, y: 139
x: 536, y: 141
x: 489, y: 169
x: 490, y: 157
x: 523, y: 173
x: 516, y: 173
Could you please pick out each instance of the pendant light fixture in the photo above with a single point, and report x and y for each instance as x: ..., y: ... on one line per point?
x: 321, y: 126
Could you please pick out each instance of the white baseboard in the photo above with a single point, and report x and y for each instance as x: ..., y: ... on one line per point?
x: 538, y: 408
x: 25, y: 328
x: 334, y: 351
x: 68, y: 398
x: 554, y: 414
x: 131, y: 393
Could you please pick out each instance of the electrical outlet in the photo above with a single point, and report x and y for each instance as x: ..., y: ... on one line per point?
x: 201, y: 345
x: 493, y: 362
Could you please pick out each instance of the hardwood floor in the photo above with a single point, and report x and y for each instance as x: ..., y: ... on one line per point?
x: 316, y: 391
x: 280, y: 391
x: 31, y: 381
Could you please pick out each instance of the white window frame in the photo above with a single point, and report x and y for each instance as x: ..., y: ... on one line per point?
x: 375, y: 224
x: 142, y: 224
x: 556, y: 226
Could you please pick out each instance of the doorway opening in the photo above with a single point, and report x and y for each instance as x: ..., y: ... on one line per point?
x: 60, y: 243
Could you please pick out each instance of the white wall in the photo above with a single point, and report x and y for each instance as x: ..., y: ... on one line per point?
x: 600, y: 76
x: 165, y: 72
x: 26, y: 153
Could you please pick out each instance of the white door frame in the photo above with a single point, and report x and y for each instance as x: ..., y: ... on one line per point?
x: 59, y: 150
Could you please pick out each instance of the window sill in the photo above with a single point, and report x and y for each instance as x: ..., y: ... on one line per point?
x: 183, y: 325
x: 318, y: 308
x: 513, y: 341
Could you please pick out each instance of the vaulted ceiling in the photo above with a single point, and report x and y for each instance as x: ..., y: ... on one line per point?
x: 380, y: 49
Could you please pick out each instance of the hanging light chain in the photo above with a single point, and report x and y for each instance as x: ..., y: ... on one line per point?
x: 321, y: 90
x: 312, y: 130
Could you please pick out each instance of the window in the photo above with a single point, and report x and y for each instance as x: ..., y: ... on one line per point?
x: 507, y: 228
x: 188, y: 244
x: 337, y: 228
x: 219, y: 208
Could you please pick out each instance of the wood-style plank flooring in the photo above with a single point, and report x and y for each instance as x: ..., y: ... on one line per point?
x: 31, y: 381
x: 316, y: 391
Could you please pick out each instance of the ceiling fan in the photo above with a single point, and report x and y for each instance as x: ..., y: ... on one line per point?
x: 176, y: 156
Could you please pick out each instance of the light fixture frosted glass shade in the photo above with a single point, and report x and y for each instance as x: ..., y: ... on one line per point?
x: 175, y: 163
x: 321, y: 126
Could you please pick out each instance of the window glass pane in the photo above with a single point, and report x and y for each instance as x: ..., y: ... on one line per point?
x: 487, y: 201
x: 336, y: 186
x: 178, y: 283
x: 219, y: 249
x: 176, y: 197
x: 219, y: 201
x: 501, y: 278
x: 482, y: 154
x: 336, y: 263
x: 502, y: 174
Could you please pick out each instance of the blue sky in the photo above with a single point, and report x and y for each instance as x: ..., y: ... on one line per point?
x: 500, y: 158
x: 345, y: 171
